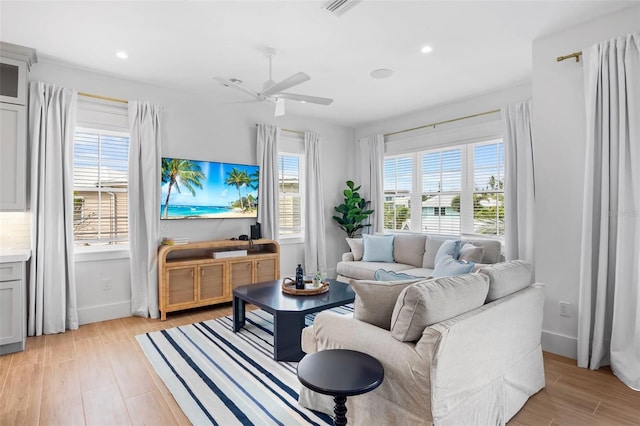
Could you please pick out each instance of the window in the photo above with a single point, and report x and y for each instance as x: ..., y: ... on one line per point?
x: 100, y: 187
x: 454, y: 190
x: 290, y: 187
x: 441, y: 173
x: 398, y: 183
x: 488, y: 195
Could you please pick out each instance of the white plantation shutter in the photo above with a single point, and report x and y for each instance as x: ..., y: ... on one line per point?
x: 290, y: 189
x: 451, y: 191
x: 488, y: 205
x: 100, y: 186
x: 441, y: 188
x: 398, y: 181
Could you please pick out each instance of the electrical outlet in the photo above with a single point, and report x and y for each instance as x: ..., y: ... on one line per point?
x: 564, y: 309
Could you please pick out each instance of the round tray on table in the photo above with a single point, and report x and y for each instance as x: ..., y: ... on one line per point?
x: 289, y: 287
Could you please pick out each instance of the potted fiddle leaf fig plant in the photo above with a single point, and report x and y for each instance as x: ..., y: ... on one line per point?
x: 353, y: 211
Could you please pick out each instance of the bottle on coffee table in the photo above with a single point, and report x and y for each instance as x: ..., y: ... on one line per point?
x: 299, y: 278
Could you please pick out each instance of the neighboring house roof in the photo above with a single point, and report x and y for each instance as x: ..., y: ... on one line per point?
x: 440, y: 200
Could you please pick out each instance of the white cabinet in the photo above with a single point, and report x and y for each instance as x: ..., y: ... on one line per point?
x: 13, y: 80
x: 13, y: 157
x: 15, y: 62
x: 13, y: 327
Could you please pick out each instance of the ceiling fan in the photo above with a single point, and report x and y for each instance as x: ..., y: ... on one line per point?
x: 274, y: 92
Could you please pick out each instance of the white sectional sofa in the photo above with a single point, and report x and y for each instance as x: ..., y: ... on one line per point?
x: 414, y: 254
x: 461, y: 350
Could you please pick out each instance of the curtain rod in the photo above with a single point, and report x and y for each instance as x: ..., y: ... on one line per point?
x: 569, y: 56
x: 106, y: 98
x: 289, y: 130
x: 442, y: 122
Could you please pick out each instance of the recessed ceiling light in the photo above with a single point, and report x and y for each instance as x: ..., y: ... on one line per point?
x: 426, y: 49
x: 122, y: 54
x: 381, y: 73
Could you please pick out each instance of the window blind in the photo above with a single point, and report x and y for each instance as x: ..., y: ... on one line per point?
x: 100, y: 188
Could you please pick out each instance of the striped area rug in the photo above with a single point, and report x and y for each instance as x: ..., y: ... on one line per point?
x: 220, y: 377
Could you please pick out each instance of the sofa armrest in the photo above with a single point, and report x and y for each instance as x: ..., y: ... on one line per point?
x: 334, y: 331
x: 347, y: 257
x: 479, y: 349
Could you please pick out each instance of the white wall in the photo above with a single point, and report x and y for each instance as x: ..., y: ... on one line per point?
x: 197, y: 128
x: 559, y: 133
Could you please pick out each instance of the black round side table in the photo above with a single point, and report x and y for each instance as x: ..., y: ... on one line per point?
x: 340, y: 373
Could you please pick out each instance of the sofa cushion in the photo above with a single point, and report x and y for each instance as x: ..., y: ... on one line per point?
x: 447, y: 266
x: 378, y: 248
x: 375, y: 300
x: 419, y: 272
x: 432, y: 301
x: 471, y: 253
x: 409, y: 249
x: 355, y: 244
x: 492, y: 249
x: 431, y: 247
x: 367, y: 270
x: 384, y: 275
x: 506, y: 278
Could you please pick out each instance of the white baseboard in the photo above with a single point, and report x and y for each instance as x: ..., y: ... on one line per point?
x: 559, y: 344
x: 90, y: 314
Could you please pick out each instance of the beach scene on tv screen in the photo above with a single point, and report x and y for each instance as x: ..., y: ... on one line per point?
x: 202, y: 189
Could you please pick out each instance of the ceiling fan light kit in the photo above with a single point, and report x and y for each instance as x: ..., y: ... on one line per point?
x: 274, y: 92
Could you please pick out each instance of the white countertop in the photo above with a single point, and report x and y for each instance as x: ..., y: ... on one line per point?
x: 21, y: 255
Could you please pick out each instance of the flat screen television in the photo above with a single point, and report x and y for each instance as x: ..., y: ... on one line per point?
x: 203, y: 189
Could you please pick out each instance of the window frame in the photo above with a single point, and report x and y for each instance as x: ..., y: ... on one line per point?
x: 110, y: 245
x: 297, y: 237
x: 467, y: 190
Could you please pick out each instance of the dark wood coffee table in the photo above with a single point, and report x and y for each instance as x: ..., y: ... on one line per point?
x: 288, y: 311
x: 340, y: 373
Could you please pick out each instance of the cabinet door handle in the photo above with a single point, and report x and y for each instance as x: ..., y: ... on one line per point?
x: 192, y: 273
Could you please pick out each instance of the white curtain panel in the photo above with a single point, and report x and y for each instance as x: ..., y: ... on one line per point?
x: 519, y: 188
x: 52, y: 283
x: 371, y: 174
x: 144, y: 206
x: 268, y: 196
x: 609, y: 305
x: 315, y: 246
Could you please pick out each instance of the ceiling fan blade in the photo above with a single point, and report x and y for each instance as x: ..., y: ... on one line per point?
x: 235, y: 85
x: 285, y: 84
x: 305, y: 98
x: 279, y: 111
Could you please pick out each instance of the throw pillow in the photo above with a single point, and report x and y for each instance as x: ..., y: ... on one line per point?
x: 384, y: 275
x: 447, y: 266
x: 448, y: 248
x: 409, y: 249
x: 471, y: 253
x: 355, y: 244
x: 377, y: 248
x: 506, y: 278
x: 430, y: 302
x: 375, y: 300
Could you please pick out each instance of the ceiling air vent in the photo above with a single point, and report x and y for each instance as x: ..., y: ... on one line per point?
x: 338, y: 7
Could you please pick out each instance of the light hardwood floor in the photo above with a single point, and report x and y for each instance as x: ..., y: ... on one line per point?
x: 98, y: 375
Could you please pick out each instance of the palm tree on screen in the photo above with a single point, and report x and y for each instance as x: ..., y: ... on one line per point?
x: 237, y: 178
x: 185, y: 173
